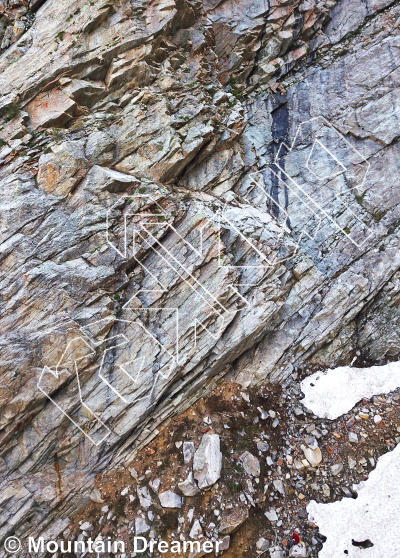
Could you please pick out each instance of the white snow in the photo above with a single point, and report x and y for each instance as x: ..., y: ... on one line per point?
x: 373, y: 516
x: 334, y: 392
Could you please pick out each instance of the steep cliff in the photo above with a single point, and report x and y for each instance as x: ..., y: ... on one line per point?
x: 191, y: 191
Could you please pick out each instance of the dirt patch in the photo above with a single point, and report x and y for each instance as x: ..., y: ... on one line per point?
x: 269, y: 422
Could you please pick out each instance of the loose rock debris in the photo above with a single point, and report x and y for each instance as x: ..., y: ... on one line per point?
x: 260, y: 478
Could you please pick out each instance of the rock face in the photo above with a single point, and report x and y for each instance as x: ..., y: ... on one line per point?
x: 156, y: 236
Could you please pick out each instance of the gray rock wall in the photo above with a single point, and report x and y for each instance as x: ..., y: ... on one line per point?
x: 155, y: 236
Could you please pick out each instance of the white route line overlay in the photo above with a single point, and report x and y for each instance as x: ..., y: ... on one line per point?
x: 56, y: 373
x: 179, y: 269
x: 316, y: 209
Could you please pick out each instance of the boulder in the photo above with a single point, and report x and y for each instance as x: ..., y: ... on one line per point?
x: 313, y: 456
x: 169, y: 499
x: 250, y: 464
x: 207, y: 462
x: 141, y: 526
x: 188, y: 486
x: 232, y: 522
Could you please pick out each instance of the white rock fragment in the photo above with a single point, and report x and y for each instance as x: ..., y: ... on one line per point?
x: 336, y: 469
x: 298, y: 551
x: 141, y: 526
x: 250, y: 464
x: 353, y: 438
x: 169, y: 499
x: 144, y: 497
x: 377, y: 419
x: 276, y: 552
x: 262, y: 544
x: 207, y: 461
x: 272, y: 515
x: 262, y: 446
x: 188, y: 487
x: 326, y: 490
x: 155, y: 485
x: 311, y: 442
x: 279, y: 486
x: 219, y: 97
x: 225, y: 542
x: 352, y: 462
x: 133, y: 473
x: 264, y: 414
x: 331, y: 394
x: 196, y: 532
x: 95, y: 496
x: 188, y: 452
x: 313, y: 456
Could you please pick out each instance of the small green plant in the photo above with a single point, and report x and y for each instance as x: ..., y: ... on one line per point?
x: 57, y: 134
x: 234, y: 91
x: 60, y: 36
x: 186, y: 70
x: 192, y: 84
x: 11, y: 111
x: 2, y: 142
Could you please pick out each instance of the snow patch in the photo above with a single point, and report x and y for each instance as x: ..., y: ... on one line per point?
x: 368, y: 526
x: 332, y: 393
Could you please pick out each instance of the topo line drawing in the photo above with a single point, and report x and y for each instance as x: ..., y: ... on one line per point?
x: 319, y: 161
